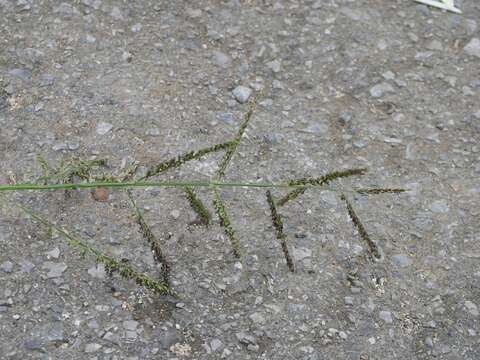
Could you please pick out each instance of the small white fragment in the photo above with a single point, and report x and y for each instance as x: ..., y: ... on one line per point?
x: 103, y: 128
x: 242, y: 93
x: 448, y: 5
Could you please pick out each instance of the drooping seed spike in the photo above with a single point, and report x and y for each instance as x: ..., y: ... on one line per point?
x: 278, y: 225
x: 197, y: 206
x: 374, y: 251
x: 225, y: 223
x: 322, y: 180
x: 182, y: 159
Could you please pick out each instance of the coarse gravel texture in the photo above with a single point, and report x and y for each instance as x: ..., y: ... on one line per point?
x: 389, y: 85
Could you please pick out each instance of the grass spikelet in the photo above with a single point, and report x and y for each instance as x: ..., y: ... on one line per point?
x: 148, y: 235
x: 225, y: 223
x: 222, y: 167
x: 182, y: 159
x: 278, y: 225
x: 217, y: 201
x: 375, y: 191
x: 290, y: 196
x: 44, y: 166
x: 322, y: 180
x: 361, y: 229
x: 80, y: 168
x: 111, y: 265
x: 197, y: 206
x: 75, y: 168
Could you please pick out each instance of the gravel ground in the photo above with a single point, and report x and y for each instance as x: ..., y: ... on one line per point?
x: 389, y: 85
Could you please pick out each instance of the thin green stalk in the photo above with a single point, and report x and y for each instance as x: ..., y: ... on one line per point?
x: 165, y: 183
x: 278, y: 225
x: 111, y: 265
x: 173, y: 183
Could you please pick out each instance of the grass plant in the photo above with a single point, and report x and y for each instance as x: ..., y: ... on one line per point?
x: 82, y: 174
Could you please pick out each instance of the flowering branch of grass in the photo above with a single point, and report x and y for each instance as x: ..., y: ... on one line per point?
x: 217, y: 200
x: 66, y: 173
x: 149, y: 236
x: 376, y: 191
x: 323, y: 180
x: 192, y: 198
x: 111, y: 265
x: 197, y: 206
x: 167, y: 183
x: 44, y: 166
x: 225, y: 223
x: 361, y: 229
x: 278, y: 225
x: 181, y: 159
x: 233, y: 146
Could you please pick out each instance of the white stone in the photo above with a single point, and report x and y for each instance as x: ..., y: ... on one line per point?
x: 103, y: 128
x: 242, y: 93
x: 473, y: 47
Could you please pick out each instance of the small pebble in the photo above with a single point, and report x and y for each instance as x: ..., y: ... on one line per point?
x: 53, y: 254
x: 221, y: 59
x: 275, y: 66
x: 386, y: 316
x: 401, y: 260
x: 100, y: 194
x: 348, y: 300
x: 439, y: 206
x: 301, y: 253
x: 472, y: 308
x: 473, y: 48
x: 92, y: 347
x: 435, y: 45
x: 6, y: 266
x: 215, y: 344
x: 55, y: 270
x: 193, y: 13
x: 136, y: 27
x: 127, y: 56
x: 242, y: 93
x: 103, y: 128
x: 429, y: 342
x: 377, y: 91
x: 257, y: 318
